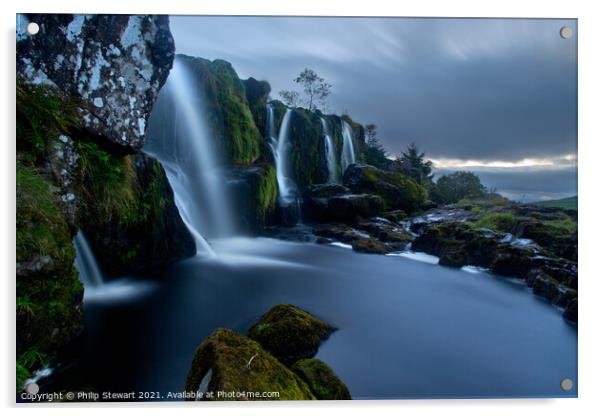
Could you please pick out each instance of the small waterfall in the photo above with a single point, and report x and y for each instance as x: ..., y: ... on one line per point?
x: 180, y: 138
x: 85, y: 262
x: 287, y: 189
x: 348, y: 156
x: 331, y: 157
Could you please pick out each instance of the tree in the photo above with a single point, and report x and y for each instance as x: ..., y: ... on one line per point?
x: 374, y: 153
x: 413, y: 164
x: 315, y: 88
x: 290, y: 98
x: 451, y: 188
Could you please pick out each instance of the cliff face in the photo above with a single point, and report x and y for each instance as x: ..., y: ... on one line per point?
x: 114, y: 64
x: 85, y: 87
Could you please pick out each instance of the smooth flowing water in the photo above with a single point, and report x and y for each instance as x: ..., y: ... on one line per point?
x: 406, y: 328
x: 348, y: 154
x: 331, y: 157
x: 181, y: 139
x: 287, y: 189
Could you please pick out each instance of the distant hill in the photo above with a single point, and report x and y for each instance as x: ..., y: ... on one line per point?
x: 568, y: 203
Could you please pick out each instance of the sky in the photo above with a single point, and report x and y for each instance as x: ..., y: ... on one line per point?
x: 493, y: 96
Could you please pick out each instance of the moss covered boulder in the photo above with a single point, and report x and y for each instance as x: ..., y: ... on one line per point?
x: 320, y: 378
x: 398, y: 191
x: 229, y: 362
x: 255, y: 189
x: 290, y: 333
x: 257, y: 93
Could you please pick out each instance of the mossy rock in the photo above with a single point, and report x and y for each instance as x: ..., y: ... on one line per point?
x: 239, y: 364
x: 257, y: 93
x: 370, y: 245
x: 290, y: 333
x: 49, y: 292
x: 397, y: 190
x: 571, y: 311
x: 322, y: 381
x: 227, y: 109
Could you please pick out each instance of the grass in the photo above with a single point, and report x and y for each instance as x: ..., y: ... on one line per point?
x: 566, y: 203
x: 567, y: 225
x: 499, y: 221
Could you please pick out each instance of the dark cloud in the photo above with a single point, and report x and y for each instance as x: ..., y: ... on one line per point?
x: 481, y: 89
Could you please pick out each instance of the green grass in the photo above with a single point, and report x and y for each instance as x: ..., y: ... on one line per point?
x: 567, y: 225
x: 498, y: 221
x: 566, y: 203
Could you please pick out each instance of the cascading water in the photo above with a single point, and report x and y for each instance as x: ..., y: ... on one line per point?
x: 348, y: 155
x: 287, y: 189
x: 85, y: 262
x: 331, y: 157
x: 180, y: 138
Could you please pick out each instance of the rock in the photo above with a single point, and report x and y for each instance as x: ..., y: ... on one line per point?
x: 370, y: 245
x: 386, y: 231
x: 35, y: 264
x: 564, y: 297
x: 513, y: 262
x: 290, y: 333
x: 229, y: 362
x: 325, y: 190
x: 322, y: 381
x: 546, y: 287
x: 145, y: 233
x: 114, y: 64
x: 571, y: 311
x: 340, y: 232
x: 257, y: 93
x: 398, y: 191
x: 558, y: 241
x: 346, y: 208
x: 395, y: 216
x: 453, y: 256
x: 255, y: 189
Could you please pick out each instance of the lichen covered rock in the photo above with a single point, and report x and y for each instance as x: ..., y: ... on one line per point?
x: 229, y: 362
x: 114, y: 65
x: 320, y: 378
x: 290, y: 333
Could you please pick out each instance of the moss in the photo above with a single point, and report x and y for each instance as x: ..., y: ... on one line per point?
x: 239, y: 364
x: 42, y: 113
x: 290, y: 333
x: 48, y: 292
x: 227, y: 110
x: 397, y: 190
x: 322, y: 381
x: 267, y: 194
x: 562, y: 225
x: 257, y: 93
x: 496, y: 221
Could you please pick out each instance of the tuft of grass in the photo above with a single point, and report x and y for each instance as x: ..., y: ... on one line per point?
x: 498, y: 221
x: 566, y: 225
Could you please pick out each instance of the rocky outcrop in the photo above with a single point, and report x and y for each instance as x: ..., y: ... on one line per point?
x: 335, y: 203
x: 398, y: 191
x: 322, y: 381
x: 230, y: 363
x: 290, y: 333
x: 113, y: 65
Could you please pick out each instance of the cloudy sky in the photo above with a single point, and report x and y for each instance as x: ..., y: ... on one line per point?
x: 493, y: 96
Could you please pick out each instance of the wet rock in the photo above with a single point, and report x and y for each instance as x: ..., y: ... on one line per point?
x: 114, y: 64
x: 322, y: 381
x: 397, y: 191
x: 290, y: 333
x: 229, y: 362
x: 346, y: 208
x: 571, y: 311
x: 386, y: 231
x: 326, y: 190
x: 370, y: 245
x: 35, y: 264
x: 395, y: 216
x: 512, y: 261
x: 255, y: 189
x: 546, y: 287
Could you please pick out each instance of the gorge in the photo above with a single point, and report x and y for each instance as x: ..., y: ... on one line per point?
x: 228, y: 203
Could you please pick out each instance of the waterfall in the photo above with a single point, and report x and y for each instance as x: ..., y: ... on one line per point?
x: 180, y: 138
x: 287, y: 189
x: 85, y: 262
x: 331, y: 158
x: 348, y: 155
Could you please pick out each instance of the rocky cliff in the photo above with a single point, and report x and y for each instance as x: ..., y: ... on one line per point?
x: 85, y: 87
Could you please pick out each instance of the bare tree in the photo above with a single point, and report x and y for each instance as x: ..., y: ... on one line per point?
x: 290, y: 98
x: 315, y: 88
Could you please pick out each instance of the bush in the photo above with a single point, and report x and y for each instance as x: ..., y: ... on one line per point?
x: 452, y: 188
x: 499, y: 221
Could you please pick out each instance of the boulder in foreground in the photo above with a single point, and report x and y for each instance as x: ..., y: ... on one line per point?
x: 290, y: 333
x: 322, y: 381
x: 232, y: 363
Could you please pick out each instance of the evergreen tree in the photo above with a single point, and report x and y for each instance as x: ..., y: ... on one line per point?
x: 412, y: 163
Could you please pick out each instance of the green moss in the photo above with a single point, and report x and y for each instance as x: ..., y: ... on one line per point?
x: 322, y: 381
x: 48, y: 297
x: 227, y: 110
x: 257, y: 93
x: 107, y: 182
x: 42, y: 113
x: 496, y: 221
x: 267, y: 194
x: 307, y: 153
x: 290, y: 333
x: 563, y: 225
x: 239, y: 364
